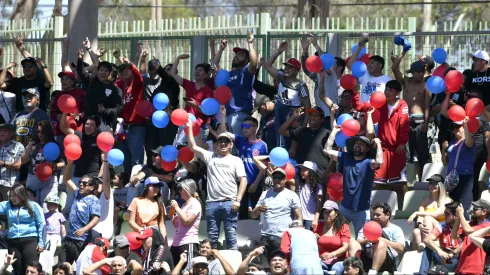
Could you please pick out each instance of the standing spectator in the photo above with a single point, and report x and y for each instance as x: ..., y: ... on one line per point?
x: 383, y: 255
x: 200, y: 264
x: 333, y: 238
x: 274, y: 208
x: 241, y: 80
x: 291, y: 92
x: 373, y: 80
x: 478, y: 79
x: 359, y: 165
x: 120, y: 193
x: 186, y: 221
x: 458, y: 155
x: 25, y: 223
x: 311, y: 140
x: 267, y: 131
x: 7, y: 100
x: 195, y: 93
x: 93, y: 253
x: 68, y: 87
x: 226, y: 185
x: 10, y: 159
x: 300, y: 247
x: 122, y: 248
x: 248, y: 147
x: 105, y: 226
x: 32, y: 79
x: 55, y: 224
x: 103, y: 97
x: 62, y: 269
x: 83, y: 216
x: 155, y: 252
x: 310, y: 194
x: 33, y: 156
x: 346, y: 106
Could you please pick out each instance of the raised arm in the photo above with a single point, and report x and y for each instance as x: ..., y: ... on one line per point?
x: 252, y: 55
x: 226, y: 266
x: 67, y: 177
x: 144, y: 55
x: 137, y: 54
x: 361, y: 44
x: 333, y: 154
x: 268, y: 64
x: 217, y: 57
x: 19, y: 43
x: 242, y: 269
x: 3, y: 75
x: 370, y: 133
x: 379, y: 154
x: 445, y: 104
x: 106, y: 179
x: 90, y: 270
x: 173, y: 71
x: 321, y: 89
x: 63, y: 127
x: 395, y: 67
x: 82, y: 73
x: 477, y: 237
x: 258, y: 161
x: 192, y: 142
x: 49, y: 82
x: 468, y: 137
x: 117, y: 55
x: 284, y: 129
x: 65, y: 63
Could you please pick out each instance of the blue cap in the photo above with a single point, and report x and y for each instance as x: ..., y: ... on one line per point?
x: 154, y: 181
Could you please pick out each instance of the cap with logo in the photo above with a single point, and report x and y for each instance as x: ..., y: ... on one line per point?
x: 481, y: 55
x: 238, y: 49
x: 294, y: 63
x: 69, y: 74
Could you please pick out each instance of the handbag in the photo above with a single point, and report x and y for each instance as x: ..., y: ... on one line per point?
x: 452, y: 179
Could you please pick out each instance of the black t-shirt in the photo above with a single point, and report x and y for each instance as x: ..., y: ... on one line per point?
x: 149, y: 171
x: 90, y: 161
x: 267, y: 131
x: 310, y: 146
x: 17, y: 85
x: 132, y: 256
x: 480, y: 81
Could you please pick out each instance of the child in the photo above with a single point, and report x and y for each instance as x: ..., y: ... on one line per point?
x: 120, y: 193
x: 55, y: 224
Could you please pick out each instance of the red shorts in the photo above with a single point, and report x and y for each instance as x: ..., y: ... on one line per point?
x: 393, y: 164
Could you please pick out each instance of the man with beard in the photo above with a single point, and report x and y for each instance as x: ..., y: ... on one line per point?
x: 241, y: 80
x: 358, y: 164
x: 479, y: 79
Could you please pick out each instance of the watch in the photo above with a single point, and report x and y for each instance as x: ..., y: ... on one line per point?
x: 44, y: 67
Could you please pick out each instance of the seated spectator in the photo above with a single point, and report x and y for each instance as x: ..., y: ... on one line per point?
x: 300, y: 247
x: 94, y: 253
x: 118, y: 267
x: 353, y: 266
x: 382, y: 255
x: 214, y: 265
x: 154, y: 252
x: 186, y: 221
x: 62, y: 269
x: 310, y: 194
x: 200, y: 265
x: 122, y: 249
x: 278, y: 263
x: 147, y: 210
x: 274, y: 208
x: 34, y: 268
x: 431, y: 211
x: 444, y: 253
x: 250, y: 263
x: 333, y: 238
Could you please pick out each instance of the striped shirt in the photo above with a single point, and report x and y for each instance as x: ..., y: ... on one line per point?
x: 10, y: 153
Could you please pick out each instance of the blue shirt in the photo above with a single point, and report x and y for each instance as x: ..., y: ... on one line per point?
x: 466, y: 157
x: 21, y: 224
x: 246, y: 151
x: 82, y: 211
x: 358, y: 182
x: 240, y: 84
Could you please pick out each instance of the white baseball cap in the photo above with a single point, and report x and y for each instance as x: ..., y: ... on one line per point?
x: 309, y: 165
x: 199, y: 260
x: 481, y: 55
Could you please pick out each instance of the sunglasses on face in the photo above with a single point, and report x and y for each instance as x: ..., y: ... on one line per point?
x: 247, y: 126
x: 224, y: 141
x: 84, y: 183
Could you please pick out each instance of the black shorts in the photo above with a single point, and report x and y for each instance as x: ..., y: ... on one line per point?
x: 389, y: 264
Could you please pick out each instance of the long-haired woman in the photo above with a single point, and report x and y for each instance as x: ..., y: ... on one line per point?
x: 310, y: 194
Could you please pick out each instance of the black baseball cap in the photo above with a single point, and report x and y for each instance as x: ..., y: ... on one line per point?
x: 417, y: 67
x: 28, y: 59
x: 394, y: 84
x: 158, y: 150
x: 277, y: 253
x: 436, y: 178
x: 7, y: 126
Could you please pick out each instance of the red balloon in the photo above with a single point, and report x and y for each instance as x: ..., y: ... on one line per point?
x: 336, y: 182
x: 222, y: 94
x: 71, y: 138
x: 454, y: 80
x: 105, y: 141
x: 73, y: 151
x: 372, y: 231
x: 348, y: 81
x: 473, y: 124
x: 134, y: 243
x: 179, y: 117
x: 487, y: 164
x: 196, y: 129
x: 67, y: 104
x: 351, y: 127
x: 439, y: 71
x: 376, y: 116
x: 185, y: 154
x: 474, y: 107
x: 290, y: 171
x: 365, y: 58
x: 71, y: 123
x: 44, y: 171
x: 335, y: 195
x: 377, y: 99
x: 347, y: 62
x: 169, y: 166
x: 314, y: 64
x: 144, y: 108
x: 456, y: 113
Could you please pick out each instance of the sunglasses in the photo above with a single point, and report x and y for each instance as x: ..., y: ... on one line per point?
x: 84, y: 183
x: 247, y: 125
x: 224, y: 141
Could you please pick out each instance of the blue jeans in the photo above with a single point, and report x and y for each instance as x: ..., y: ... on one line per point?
x: 463, y: 192
x: 430, y: 256
x: 217, y: 212
x: 307, y: 225
x: 234, y: 122
x: 134, y: 146
x: 358, y: 218
x: 281, y: 114
x: 338, y: 267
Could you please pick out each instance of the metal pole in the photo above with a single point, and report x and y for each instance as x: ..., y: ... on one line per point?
x: 82, y: 22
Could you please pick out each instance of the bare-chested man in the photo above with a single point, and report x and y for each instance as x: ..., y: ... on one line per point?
x: 418, y: 99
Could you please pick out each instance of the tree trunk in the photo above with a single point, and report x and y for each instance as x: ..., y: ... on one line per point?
x: 314, y: 9
x: 24, y: 9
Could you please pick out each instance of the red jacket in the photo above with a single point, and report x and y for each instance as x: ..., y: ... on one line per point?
x: 393, y: 131
x: 132, y: 94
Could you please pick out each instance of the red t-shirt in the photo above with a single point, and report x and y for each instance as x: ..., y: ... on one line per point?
x: 132, y: 94
x: 331, y: 243
x: 199, y: 96
x: 79, y: 96
x: 472, y: 258
x: 443, y: 232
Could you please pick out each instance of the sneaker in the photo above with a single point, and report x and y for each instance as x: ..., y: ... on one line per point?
x: 422, y: 247
x: 372, y: 272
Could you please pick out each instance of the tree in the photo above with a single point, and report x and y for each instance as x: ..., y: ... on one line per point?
x: 24, y: 9
x: 314, y: 8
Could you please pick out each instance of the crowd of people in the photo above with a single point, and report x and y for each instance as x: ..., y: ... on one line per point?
x: 75, y: 211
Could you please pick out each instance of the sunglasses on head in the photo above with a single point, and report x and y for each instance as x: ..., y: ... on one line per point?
x: 247, y: 126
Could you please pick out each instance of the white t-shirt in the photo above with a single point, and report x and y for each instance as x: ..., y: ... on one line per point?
x: 106, y: 221
x: 224, y: 175
x: 371, y: 84
x: 390, y: 108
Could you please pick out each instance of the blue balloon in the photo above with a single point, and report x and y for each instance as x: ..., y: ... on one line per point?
x: 192, y: 117
x: 328, y: 61
x: 210, y: 106
x: 399, y: 40
x: 439, y: 55
x: 342, y: 118
x: 340, y: 139
x: 160, y: 119
x: 435, y: 84
x: 169, y: 153
x: 359, y: 68
x: 115, y: 157
x: 279, y: 156
x: 361, y: 53
x: 376, y: 129
x: 160, y: 101
x: 293, y: 162
x: 222, y: 78
x: 51, y: 151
